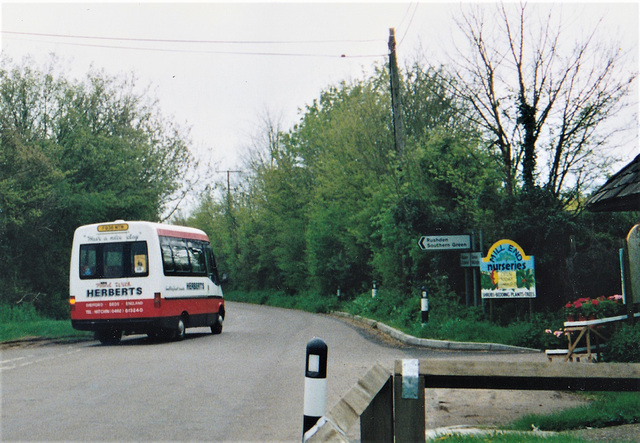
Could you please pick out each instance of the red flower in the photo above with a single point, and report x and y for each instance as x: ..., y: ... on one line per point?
x: 595, y: 302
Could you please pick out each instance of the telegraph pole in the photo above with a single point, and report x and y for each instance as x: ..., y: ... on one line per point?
x: 396, y: 110
x: 232, y: 220
x: 396, y: 104
x: 228, y: 172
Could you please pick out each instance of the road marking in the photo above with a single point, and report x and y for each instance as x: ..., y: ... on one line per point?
x: 16, y: 363
x: 9, y: 364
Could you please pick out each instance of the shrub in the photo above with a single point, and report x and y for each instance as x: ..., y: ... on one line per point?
x: 21, y: 313
x: 624, y: 344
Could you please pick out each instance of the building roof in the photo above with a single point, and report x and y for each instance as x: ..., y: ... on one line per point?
x: 620, y: 193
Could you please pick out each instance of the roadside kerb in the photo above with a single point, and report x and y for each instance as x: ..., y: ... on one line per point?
x: 431, y: 343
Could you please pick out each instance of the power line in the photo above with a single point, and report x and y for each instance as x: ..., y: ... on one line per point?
x: 203, y: 51
x: 157, y: 40
x: 409, y: 25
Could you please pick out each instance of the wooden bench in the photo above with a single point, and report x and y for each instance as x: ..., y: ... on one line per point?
x: 590, y: 331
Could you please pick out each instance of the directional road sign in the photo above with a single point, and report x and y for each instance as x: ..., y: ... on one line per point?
x: 444, y: 242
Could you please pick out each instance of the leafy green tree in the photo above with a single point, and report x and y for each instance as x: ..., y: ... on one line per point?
x: 345, y: 140
x: 75, y: 152
x: 283, y: 186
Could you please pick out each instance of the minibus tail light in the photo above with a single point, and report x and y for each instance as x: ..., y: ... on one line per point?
x: 72, y: 303
x: 157, y: 299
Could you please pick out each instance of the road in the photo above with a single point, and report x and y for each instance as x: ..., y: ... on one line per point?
x: 243, y: 385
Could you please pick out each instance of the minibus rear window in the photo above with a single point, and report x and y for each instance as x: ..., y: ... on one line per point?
x: 114, y: 260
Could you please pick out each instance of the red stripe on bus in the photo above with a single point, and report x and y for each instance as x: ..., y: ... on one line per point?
x: 131, y: 309
x: 182, y: 234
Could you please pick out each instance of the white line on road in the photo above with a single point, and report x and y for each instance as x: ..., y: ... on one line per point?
x: 14, y: 362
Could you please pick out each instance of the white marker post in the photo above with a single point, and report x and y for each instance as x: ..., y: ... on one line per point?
x: 424, y: 304
x: 315, y: 383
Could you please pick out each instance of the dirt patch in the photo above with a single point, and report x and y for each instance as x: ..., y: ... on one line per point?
x: 491, y: 408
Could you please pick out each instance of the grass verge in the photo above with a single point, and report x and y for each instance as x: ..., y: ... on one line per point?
x: 19, y: 322
x: 605, y: 409
x: 511, y: 438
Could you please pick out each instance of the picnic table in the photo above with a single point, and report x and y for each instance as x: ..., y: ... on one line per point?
x: 594, y: 336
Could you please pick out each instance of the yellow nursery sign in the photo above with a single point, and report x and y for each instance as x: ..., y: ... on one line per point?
x: 507, y: 272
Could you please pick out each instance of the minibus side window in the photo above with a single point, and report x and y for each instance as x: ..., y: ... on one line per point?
x: 180, y: 256
x: 167, y: 259
x: 212, y: 270
x: 196, y: 256
x: 183, y: 257
x: 167, y: 256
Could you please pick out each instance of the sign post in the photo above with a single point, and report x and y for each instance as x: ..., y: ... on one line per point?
x: 633, y: 269
x: 458, y: 242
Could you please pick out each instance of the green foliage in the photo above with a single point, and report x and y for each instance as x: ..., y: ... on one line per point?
x: 607, y: 409
x: 21, y: 321
x: 624, y: 344
x: 500, y: 437
x: 71, y: 153
x: 18, y: 314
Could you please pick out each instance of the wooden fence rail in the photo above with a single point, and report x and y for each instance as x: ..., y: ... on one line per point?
x: 391, y: 407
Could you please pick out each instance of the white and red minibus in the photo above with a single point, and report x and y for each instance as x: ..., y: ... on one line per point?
x: 137, y: 277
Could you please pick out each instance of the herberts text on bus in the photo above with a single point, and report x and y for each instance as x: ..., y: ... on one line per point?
x: 140, y: 277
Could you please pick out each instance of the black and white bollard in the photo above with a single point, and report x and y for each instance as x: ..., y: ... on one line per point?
x: 374, y: 289
x: 315, y: 383
x: 424, y: 305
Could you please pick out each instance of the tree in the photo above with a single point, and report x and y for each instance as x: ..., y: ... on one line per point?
x: 71, y: 153
x: 537, y: 98
x: 346, y: 141
x: 282, y: 184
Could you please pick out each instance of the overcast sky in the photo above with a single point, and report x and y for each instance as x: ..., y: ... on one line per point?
x: 237, y: 61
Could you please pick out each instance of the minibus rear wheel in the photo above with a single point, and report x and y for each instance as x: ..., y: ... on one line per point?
x: 180, y: 330
x: 109, y: 336
x: 216, y: 327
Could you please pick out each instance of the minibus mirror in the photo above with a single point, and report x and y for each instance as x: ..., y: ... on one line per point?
x: 224, y: 278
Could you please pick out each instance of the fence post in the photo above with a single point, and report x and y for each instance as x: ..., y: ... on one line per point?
x: 376, y: 421
x: 315, y: 383
x: 408, y: 402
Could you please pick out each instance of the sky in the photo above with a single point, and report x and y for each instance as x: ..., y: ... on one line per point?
x: 220, y: 68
